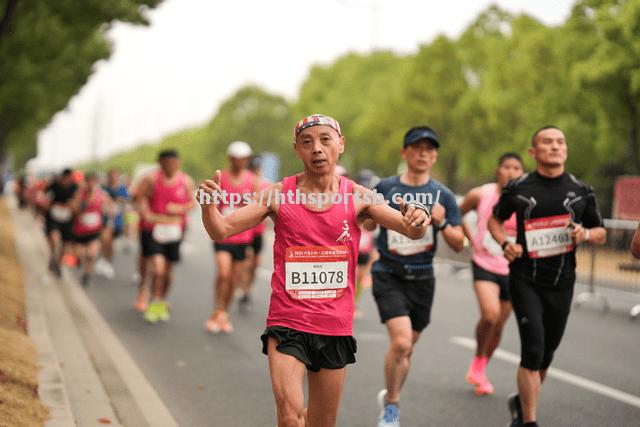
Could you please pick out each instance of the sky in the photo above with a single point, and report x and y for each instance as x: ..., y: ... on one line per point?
x: 175, y: 73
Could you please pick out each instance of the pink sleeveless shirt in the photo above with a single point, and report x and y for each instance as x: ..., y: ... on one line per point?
x: 486, y: 252
x: 315, y: 256
x: 89, y: 220
x: 165, y: 193
x: 238, y: 192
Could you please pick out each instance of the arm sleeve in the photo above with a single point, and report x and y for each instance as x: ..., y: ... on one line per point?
x: 505, y: 206
x: 592, y: 217
x: 452, y: 210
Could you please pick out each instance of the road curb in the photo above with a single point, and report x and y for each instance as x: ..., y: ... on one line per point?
x: 86, y: 375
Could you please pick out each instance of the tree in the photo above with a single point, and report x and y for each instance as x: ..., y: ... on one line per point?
x: 47, y: 53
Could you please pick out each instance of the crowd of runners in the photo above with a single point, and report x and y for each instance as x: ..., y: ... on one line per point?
x: 335, y: 237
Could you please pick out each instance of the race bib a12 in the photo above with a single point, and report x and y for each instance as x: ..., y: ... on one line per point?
x: 400, y: 244
x: 167, y: 233
x: 548, y: 236
x: 316, y: 272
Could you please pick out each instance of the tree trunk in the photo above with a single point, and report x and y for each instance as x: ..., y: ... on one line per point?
x: 9, y: 11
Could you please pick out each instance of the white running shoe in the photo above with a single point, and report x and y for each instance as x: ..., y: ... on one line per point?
x: 389, y: 413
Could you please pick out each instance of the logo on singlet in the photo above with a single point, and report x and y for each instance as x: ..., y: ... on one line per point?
x: 345, y: 236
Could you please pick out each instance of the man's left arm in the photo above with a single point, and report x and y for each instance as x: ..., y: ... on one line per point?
x: 451, y: 229
x: 592, y: 228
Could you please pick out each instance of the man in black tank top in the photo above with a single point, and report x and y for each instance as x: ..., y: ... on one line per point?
x: 555, y: 213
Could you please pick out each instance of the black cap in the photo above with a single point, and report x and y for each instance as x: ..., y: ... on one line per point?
x: 419, y: 133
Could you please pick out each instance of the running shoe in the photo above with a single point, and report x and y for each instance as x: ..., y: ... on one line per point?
x: 245, y: 303
x: 484, y: 388
x: 515, y: 408
x: 475, y: 375
x: 219, y: 322
x: 70, y: 260
x: 163, y: 312
x: 213, y: 324
x: 389, y: 412
x: 152, y: 312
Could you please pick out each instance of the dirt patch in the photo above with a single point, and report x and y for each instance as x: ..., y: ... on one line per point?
x: 19, y: 404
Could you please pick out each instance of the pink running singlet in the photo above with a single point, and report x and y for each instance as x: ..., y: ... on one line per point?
x: 238, y: 192
x: 314, y: 268
x: 164, y: 193
x: 89, y: 220
x: 486, y: 252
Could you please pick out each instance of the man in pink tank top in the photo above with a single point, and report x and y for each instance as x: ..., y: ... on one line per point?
x: 231, y: 253
x: 89, y: 204
x: 490, y: 269
x: 317, y: 218
x: 163, y: 199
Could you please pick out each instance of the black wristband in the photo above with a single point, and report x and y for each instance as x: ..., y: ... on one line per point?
x: 504, y: 244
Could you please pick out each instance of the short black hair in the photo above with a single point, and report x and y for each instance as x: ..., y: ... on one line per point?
x: 66, y: 172
x: 166, y: 154
x: 535, y: 134
x: 510, y: 155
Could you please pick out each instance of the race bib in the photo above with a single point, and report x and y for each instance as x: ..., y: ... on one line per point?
x: 491, y: 246
x: 61, y: 213
x: 402, y: 245
x: 548, y: 236
x: 167, y: 233
x: 90, y: 219
x: 316, y: 272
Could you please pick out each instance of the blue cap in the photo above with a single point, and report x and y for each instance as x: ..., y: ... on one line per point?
x: 419, y: 133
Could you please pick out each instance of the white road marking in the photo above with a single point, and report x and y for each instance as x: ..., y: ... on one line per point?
x: 559, y: 374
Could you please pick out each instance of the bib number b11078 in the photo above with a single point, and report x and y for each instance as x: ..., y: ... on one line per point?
x: 316, y: 272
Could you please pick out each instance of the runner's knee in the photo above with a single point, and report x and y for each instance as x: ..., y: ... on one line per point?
x: 490, y: 319
x: 532, y: 356
x: 401, y: 346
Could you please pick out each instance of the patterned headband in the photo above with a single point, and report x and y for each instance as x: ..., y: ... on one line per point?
x: 316, y: 120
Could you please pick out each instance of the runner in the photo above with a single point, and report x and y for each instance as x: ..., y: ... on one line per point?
x: 89, y: 204
x: 490, y: 269
x: 163, y: 198
x: 231, y: 253
x: 403, y: 279
x: 555, y: 212
x: 255, y: 248
x: 309, y: 326
x: 635, y: 243
x: 113, y: 224
x: 56, y: 200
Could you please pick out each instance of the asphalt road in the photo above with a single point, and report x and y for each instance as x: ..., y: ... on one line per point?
x: 223, y: 380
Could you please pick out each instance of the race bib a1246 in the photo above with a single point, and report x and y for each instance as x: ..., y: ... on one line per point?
x: 548, y: 236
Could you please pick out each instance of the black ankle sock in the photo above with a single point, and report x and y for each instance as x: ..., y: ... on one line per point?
x: 530, y: 424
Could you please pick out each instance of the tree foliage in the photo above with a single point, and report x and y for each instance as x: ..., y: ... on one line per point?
x: 485, y: 92
x: 47, y: 53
